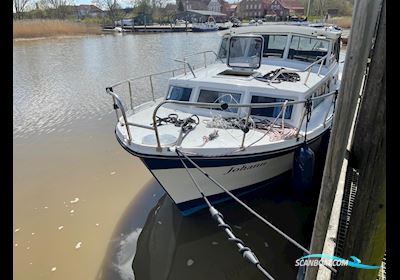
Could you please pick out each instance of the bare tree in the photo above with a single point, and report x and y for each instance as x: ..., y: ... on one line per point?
x: 144, y: 8
x: 159, y: 10
x: 112, y: 7
x: 60, y: 7
x: 170, y: 11
x: 321, y: 4
x: 19, y: 7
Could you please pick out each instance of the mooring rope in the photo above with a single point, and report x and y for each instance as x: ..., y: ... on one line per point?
x: 179, y: 152
x: 282, y: 77
x: 308, y: 107
x: 217, y: 216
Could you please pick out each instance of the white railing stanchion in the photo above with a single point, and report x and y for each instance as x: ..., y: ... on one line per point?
x: 130, y: 94
x: 151, y: 87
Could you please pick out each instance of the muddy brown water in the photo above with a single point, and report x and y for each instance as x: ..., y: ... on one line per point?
x: 83, y: 208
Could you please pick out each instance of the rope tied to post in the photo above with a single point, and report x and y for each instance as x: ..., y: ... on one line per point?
x: 334, y: 100
x: 219, y: 218
x: 253, y: 212
x: 308, y: 107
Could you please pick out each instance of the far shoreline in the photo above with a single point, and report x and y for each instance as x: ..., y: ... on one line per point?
x: 25, y: 39
x: 31, y: 30
x: 37, y: 29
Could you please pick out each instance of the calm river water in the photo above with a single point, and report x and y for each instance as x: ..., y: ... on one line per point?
x: 85, y: 209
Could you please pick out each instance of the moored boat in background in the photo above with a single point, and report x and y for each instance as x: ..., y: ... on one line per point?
x: 209, y: 25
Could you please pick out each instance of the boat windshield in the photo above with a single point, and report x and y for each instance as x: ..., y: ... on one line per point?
x: 242, y: 52
x: 307, y: 49
x: 274, y: 45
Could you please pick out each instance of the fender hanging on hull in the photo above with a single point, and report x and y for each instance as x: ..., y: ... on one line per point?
x: 303, y: 168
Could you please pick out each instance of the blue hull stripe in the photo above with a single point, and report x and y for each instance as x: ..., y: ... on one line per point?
x: 154, y: 162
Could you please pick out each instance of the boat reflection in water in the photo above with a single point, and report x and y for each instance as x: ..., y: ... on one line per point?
x: 167, y: 245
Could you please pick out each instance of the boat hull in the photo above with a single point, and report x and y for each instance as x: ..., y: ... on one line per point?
x: 238, y: 174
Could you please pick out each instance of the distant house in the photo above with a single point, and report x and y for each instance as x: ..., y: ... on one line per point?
x: 253, y: 8
x: 284, y: 8
x: 89, y: 11
x: 214, y: 6
x: 231, y: 10
x: 279, y: 9
x: 219, y: 6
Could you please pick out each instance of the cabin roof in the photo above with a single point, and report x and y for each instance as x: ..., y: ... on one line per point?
x: 328, y: 32
x: 208, y: 77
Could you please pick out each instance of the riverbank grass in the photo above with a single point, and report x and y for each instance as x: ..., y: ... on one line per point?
x: 343, y: 22
x: 51, y: 28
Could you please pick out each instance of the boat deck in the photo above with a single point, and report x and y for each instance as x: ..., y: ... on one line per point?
x: 228, y: 139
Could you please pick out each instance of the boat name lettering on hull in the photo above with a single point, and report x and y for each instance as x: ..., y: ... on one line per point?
x: 245, y: 167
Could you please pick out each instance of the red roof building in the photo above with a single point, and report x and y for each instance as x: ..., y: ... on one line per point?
x: 89, y: 11
x: 279, y: 8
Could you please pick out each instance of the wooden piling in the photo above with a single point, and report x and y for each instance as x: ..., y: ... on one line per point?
x: 365, y: 17
x: 366, y: 236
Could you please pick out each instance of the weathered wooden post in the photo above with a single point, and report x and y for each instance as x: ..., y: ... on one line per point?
x: 366, y: 236
x: 365, y: 16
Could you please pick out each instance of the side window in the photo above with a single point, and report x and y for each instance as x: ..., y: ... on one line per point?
x: 320, y: 91
x: 274, y: 45
x: 272, y: 112
x: 179, y: 93
x: 210, y: 96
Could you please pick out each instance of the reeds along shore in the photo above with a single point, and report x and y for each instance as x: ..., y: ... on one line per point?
x: 49, y: 28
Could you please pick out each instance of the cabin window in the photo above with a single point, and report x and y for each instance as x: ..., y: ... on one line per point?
x: 307, y: 48
x: 322, y: 90
x: 272, y: 112
x: 211, y: 96
x: 274, y: 45
x: 179, y: 93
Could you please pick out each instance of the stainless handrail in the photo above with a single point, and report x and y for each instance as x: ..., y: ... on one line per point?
x: 218, y: 105
x: 204, y: 52
x: 149, y: 76
x: 188, y: 64
x: 184, y: 61
x: 120, y: 105
x: 164, y: 72
x: 142, y: 77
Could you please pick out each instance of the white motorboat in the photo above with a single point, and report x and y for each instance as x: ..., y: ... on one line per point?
x: 209, y: 25
x: 241, y: 118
